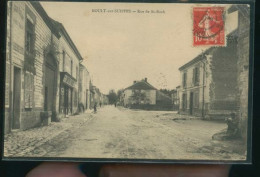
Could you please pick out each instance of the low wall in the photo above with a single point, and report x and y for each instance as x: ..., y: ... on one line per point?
x: 152, y: 107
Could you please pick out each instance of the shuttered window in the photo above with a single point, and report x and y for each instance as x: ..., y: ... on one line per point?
x: 184, y: 80
x: 196, y: 100
x: 196, y: 76
x: 28, y: 90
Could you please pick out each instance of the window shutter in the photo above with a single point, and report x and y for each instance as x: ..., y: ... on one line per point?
x: 183, y: 80
x: 198, y: 75
x: 194, y: 76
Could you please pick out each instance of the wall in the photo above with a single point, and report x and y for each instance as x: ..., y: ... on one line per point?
x: 84, y: 91
x: 243, y: 71
x: 29, y: 118
x: 200, y: 89
x: 8, y: 92
x: 65, y: 66
x: 127, y: 95
x: 223, y: 85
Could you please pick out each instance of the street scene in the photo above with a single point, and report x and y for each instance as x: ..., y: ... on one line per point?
x: 123, y: 133
x: 127, y: 81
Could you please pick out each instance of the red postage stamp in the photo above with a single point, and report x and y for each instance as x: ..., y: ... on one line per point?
x: 208, y: 26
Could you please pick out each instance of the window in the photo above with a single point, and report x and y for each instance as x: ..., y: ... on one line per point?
x: 196, y: 76
x: 29, y: 37
x: 71, y: 67
x: 28, y: 90
x: 196, y: 100
x: 29, y: 46
x: 29, y: 60
x: 184, y: 80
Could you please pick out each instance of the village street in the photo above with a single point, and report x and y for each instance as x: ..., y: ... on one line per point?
x: 123, y: 133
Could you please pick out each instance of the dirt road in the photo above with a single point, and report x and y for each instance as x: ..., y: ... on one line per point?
x: 122, y: 133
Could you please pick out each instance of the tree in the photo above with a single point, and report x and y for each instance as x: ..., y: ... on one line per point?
x: 120, y: 96
x: 112, y: 97
x: 139, y: 97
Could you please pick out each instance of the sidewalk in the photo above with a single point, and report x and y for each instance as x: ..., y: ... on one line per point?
x: 19, y: 143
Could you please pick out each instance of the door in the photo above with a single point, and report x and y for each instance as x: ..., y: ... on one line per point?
x: 184, y: 101
x: 49, y: 89
x: 191, y: 103
x: 16, y: 98
x: 66, y: 100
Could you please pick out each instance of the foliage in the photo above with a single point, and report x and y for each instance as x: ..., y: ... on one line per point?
x: 139, y: 97
x: 112, y: 97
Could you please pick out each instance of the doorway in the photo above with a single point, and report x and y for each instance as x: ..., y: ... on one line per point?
x: 49, y: 89
x: 191, y: 103
x: 50, y: 84
x: 16, y: 98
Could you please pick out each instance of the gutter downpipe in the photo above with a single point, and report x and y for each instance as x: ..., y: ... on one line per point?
x: 203, y: 97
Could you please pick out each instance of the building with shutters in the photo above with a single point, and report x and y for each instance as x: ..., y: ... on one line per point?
x: 142, y: 95
x: 243, y: 69
x: 42, y: 68
x: 69, y: 67
x: 209, y: 82
x: 31, y: 59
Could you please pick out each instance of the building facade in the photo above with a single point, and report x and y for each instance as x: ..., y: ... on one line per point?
x: 209, y: 82
x: 176, y: 98
x: 243, y: 67
x: 84, y: 87
x: 69, y: 72
x: 42, y: 68
x: 141, y: 92
x: 30, y: 51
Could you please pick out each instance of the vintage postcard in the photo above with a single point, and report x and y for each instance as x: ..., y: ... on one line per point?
x: 128, y: 81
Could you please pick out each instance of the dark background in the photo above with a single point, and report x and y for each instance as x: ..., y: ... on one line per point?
x: 21, y: 168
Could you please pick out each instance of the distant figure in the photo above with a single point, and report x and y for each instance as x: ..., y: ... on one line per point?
x: 100, y: 104
x: 115, y: 104
x: 95, y: 108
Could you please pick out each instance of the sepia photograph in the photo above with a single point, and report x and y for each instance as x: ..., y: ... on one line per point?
x: 128, y: 81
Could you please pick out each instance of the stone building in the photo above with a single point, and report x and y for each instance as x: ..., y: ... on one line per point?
x: 84, y: 87
x: 176, y: 98
x: 30, y: 51
x: 42, y: 67
x: 142, y: 95
x: 209, y: 82
x: 69, y: 72
x: 140, y: 87
x: 243, y: 65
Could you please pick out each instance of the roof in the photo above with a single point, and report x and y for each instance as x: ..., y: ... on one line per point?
x: 38, y: 7
x: 59, y: 26
x: 161, y: 96
x: 195, y: 60
x: 200, y: 56
x: 81, y: 66
x: 141, y: 85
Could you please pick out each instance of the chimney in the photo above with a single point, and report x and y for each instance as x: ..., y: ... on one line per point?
x: 145, y: 79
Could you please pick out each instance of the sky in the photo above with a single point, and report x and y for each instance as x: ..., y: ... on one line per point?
x: 119, y: 48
